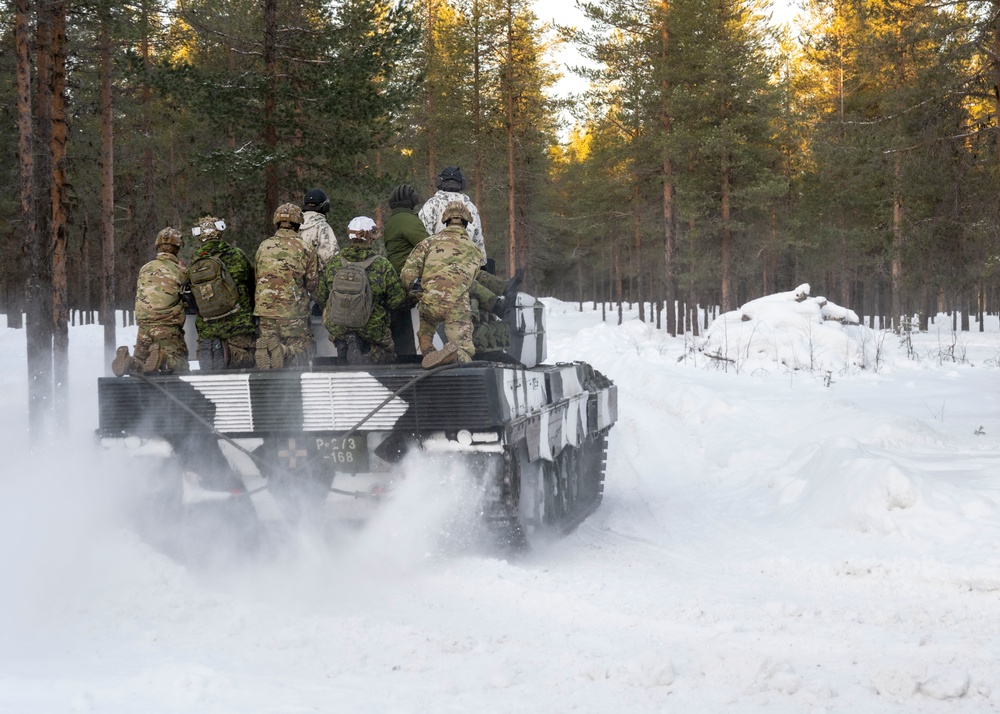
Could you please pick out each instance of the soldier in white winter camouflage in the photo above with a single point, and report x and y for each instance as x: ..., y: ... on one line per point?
x: 315, y: 231
x: 159, y: 313
x: 450, y: 184
x: 287, y: 276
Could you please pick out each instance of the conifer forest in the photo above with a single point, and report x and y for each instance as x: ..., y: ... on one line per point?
x: 715, y: 155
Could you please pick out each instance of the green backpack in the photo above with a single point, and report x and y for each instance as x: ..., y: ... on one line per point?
x: 351, y: 301
x: 215, y: 292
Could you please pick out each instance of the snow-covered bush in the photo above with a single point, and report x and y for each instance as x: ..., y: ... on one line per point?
x: 794, y: 331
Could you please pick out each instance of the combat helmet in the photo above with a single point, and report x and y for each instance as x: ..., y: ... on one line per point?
x: 362, y: 229
x: 451, y: 179
x: 288, y: 213
x: 404, y: 196
x: 316, y: 200
x: 169, y: 237
x: 456, y: 209
x: 208, y: 227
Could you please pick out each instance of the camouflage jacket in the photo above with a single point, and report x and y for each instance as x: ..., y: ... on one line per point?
x: 158, y: 292
x: 316, y: 233
x: 387, y: 292
x: 430, y: 214
x: 403, y: 230
x: 287, y: 274
x: 446, y: 264
x: 240, y: 267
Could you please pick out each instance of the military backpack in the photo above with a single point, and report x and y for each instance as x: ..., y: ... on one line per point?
x: 351, y: 301
x: 215, y: 292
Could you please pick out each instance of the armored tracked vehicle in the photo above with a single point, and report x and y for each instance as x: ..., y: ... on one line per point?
x: 533, y: 436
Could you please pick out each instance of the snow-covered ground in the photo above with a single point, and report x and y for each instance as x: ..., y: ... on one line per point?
x: 770, y: 540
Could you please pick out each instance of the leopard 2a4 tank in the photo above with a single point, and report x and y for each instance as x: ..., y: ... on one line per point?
x: 531, y: 436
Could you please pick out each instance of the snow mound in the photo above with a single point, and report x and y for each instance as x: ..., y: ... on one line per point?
x: 794, y: 331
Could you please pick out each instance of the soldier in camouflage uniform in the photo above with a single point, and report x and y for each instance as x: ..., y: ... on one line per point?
x: 315, y: 232
x: 450, y: 184
x: 371, y: 343
x: 227, y: 342
x: 446, y: 265
x: 287, y: 274
x: 159, y: 312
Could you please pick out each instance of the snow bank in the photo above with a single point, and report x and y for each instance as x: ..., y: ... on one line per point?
x: 794, y: 331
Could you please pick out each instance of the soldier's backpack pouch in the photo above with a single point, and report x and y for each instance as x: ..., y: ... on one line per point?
x: 351, y: 301
x: 215, y: 292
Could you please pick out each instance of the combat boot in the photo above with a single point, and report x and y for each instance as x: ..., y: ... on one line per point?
x: 276, y: 352
x: 156, y: 361
x: 261, y: 356
x: 124, y: 363
x: 426, y: 344
x: 510, y: 288
x: 445, y: 355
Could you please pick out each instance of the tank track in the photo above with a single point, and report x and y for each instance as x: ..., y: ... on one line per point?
x: 566, y: 490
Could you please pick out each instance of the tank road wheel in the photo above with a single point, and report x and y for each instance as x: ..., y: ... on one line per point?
x: 555, y: 506
x: 569, y: 461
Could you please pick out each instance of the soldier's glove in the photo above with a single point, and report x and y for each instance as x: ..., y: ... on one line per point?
x: 187, y: 297
x: 416, y: 292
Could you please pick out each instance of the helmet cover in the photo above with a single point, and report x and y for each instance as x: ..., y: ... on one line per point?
x: 288, y: 213
x: 169, y: 236
x: 207, y: 227
x: 456, y: 209
x: 362, y: 229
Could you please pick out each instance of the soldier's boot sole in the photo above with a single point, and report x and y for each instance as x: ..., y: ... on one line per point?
x: 261, y: 356
x: 445, y: 355
x: 122, y: 362
x: 511, y: 286
x: 156, y: 360
x: 276, y: 352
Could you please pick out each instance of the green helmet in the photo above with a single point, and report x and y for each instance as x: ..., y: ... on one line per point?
x: 456, y: 209
x: 288, y: 213
x: 169, y: 236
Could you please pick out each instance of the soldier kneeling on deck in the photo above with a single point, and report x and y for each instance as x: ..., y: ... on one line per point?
x: 445, y: 264
x: 159, y: 313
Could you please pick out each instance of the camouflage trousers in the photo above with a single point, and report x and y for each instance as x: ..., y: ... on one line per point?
x: 212, y: 353
x: 353, y: 350
x: 294, y: 334
x: 457, y: 320
x: 170, y: 338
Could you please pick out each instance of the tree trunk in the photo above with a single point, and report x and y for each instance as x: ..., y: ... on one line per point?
x: 39, y: 331
x: 637, y: 258
x: 108, y: 287
x: 727, y: 237
x: 477, y: 110
x: 60, y: 291
x: 896, y: 268
x: 270, y: 102
x: 149, y: 219
x: 509, y: 101
x: 669, y: 278
x: 431, y: 89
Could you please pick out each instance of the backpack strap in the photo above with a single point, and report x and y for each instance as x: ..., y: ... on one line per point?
x: 365, y: 264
